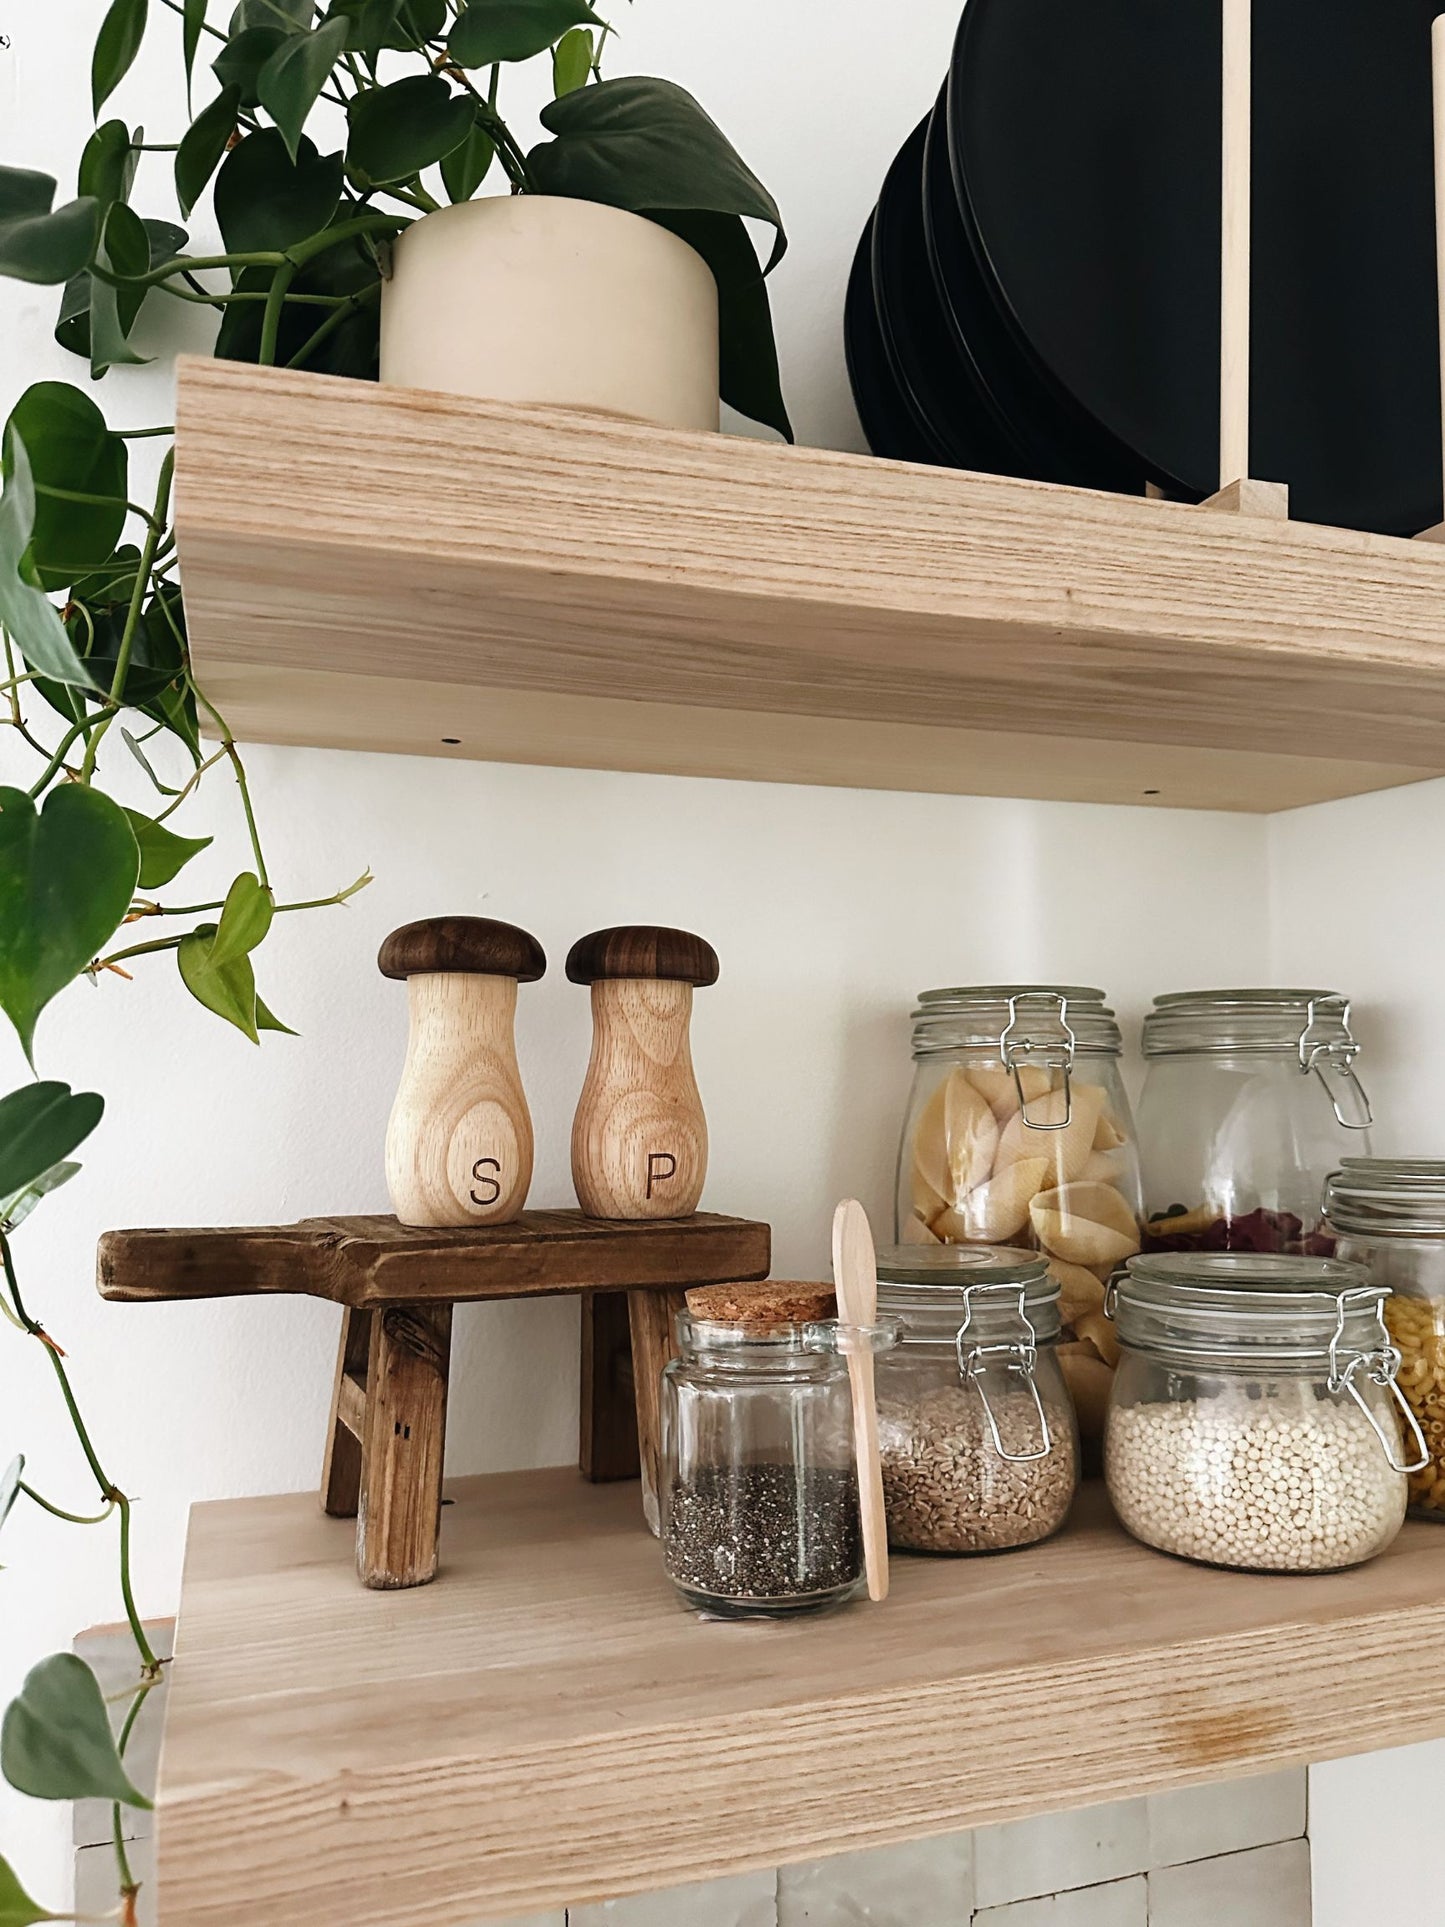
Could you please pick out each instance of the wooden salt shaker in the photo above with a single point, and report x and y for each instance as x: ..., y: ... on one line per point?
x: 639, y: 1139
x: 459, y: 1142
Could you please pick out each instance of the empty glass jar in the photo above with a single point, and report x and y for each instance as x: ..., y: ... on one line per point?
x: 1250, y: 1100
x: 1019, y: 1133
x: 1389, y: 1215
x: 975, y: 1427
x: 1255, y: 1420
x: 759, y: 1496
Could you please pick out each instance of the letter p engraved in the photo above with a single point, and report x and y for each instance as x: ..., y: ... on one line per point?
x: 661, y: 1165
x: 492, y: 1186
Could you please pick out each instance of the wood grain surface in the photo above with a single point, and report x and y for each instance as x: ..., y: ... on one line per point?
x: 462, y: 943
x: 374, y: 1261
x: 639, y: 1134
x: 546, y: 1724
x: 717, y: 573
x: 459, y: 1138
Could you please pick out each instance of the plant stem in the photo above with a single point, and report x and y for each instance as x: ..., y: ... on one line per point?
x: 271, y: 320
x: 110, y: 1492
x: 142, y: 583
x: 95, y: 501
x: 190, y: 783
x: 333, y: 321
x: 140, y: 434
x: 58, y: 757
x: 59, y: 1512
x: 228, y: 746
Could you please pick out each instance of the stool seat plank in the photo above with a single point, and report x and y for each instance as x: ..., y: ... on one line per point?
x: 367, y: 1262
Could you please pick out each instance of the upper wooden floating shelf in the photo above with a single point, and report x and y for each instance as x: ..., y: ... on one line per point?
x: 387, y: 569
x: 545, y: 1724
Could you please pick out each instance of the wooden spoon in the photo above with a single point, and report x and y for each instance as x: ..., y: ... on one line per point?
x: 855, y: 1277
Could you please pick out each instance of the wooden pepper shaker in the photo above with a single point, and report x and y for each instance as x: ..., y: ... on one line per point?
x: 639, y: 1139
x: 459, y: 1142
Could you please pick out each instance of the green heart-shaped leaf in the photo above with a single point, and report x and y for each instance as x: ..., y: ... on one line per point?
x: 492, y: 30
x: 265, y: 202
x: 397, y: 131
x: 9, y: 1492
x: 70, y: 447
x: 228, y: 989
x: 124, y: 250
x: 67, y: 875
x: 40, y: 1124
x: 644, y: 144
x: 240, y: 61
x: 108, y: 162
x: 467, y: 166
x: 56, y: 1742
x: 34, y: 624
x: 571, y: 61
x: 290, y: 83
x: 203, y: 144
x: 163, y: 854
x: 116, y: 46
x: 36, y: 245
x: 401, y: 25
x: 17, y: 1909
x: 245, y: 919
x: 15, y: 1209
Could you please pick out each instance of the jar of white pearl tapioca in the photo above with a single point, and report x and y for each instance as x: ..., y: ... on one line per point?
x: 1255, y: 1420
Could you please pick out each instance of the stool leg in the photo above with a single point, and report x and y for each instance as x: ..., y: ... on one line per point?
x: 650, y: 1315
x: 607, y: 1446
x: 341, y: 1471
x: 406, y: 1411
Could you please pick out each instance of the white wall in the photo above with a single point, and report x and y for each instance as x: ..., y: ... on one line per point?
x: 829, y: 910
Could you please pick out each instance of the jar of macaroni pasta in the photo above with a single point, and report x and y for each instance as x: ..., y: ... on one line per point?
x: 1018, y: 1132
x: 1250, y: 1099
x: 1389, y: 1214
x: 1256, y: 1421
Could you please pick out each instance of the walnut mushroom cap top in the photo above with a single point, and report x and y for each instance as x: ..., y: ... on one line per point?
x: 642, y: 950
x: 476, y: 945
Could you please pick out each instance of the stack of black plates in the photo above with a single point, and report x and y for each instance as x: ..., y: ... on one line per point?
x: 1037, y: 291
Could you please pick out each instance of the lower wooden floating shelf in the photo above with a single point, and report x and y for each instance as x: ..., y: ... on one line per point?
x: 545, y: 1724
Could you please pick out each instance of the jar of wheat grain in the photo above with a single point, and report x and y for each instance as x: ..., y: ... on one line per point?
x: 976, y: 1430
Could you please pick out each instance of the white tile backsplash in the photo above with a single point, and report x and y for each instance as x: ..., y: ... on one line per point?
x: 1118, y: 1903
x: 1045, y: 1855
x: 1266, y: 1887
x: 749, y: 1900
x: 1197, y: 1822
x: 926, y: 1883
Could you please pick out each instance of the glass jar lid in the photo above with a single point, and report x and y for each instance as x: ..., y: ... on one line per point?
x: 1252, y: 1306
x: 938, y: 1291
x: 1027, y: 1022
x: 1247, y: 1020
x: 1387, y: 1197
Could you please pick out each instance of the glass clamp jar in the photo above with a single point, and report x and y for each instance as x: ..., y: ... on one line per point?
x: 976, y: 1432
x: 759, y: 1500
x: 1256, y: 1419
x: 1250, y: 1100
x: 1389, y: 1215
x: 1018, y: 1132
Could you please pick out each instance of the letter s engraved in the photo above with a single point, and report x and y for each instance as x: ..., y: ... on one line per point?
x: 479, y: 1172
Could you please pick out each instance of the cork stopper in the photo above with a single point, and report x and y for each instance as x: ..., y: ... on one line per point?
x: 763, y: 1307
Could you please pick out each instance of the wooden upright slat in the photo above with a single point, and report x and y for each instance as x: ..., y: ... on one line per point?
x: 423, y: 572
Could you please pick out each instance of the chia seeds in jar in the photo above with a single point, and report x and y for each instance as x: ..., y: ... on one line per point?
x: 976, y: 1430
x: 759, y: 1479
x: 1255, y: 1421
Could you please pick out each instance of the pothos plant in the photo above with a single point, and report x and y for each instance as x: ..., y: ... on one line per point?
x: 403, y: 98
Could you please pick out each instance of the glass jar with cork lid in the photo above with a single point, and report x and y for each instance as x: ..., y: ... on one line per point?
x: 976, y: 1431
x: 1019, y: 1132
x: 759, y: 1482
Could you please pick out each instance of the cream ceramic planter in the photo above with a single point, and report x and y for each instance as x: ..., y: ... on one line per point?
x: 532, y: 298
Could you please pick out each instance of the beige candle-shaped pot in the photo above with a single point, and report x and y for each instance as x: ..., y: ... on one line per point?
x: 459, y: 1143
x: 639, y: 1140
